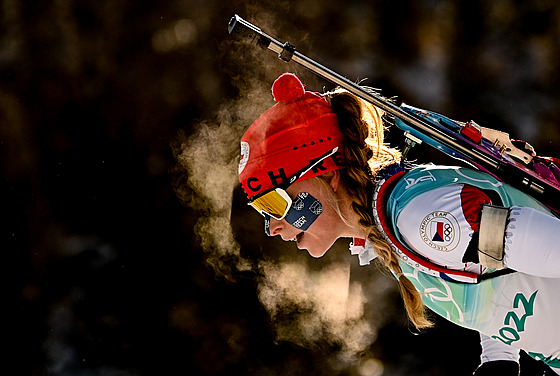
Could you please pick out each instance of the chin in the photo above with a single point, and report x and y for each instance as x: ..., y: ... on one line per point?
x: 317, y: 254
x: 314, y: 247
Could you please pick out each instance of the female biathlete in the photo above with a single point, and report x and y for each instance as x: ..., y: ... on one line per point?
x: 470, y: 248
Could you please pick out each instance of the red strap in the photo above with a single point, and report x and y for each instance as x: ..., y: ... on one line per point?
x: 359, y: 242
x: 380, y: 205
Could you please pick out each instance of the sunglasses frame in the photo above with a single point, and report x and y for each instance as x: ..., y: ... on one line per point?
x: 281, y: 188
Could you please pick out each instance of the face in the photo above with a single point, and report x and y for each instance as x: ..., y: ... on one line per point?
x: 326, y: 229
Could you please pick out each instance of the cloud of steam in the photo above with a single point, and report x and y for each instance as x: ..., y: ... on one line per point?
x: 323, y: 305
x: 208, y: 160
x: 306, y: 305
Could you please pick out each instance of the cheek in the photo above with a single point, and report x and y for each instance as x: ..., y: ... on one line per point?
x: 305, y: 210
x: 329, y: 218
x: 325, y: 231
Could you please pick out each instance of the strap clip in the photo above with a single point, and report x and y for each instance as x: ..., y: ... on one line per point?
x: 287, y: 52
x: 493, y: 223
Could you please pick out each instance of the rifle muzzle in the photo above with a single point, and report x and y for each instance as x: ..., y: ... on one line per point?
x: 248, y: 32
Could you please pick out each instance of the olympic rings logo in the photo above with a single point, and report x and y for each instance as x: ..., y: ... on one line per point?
x: 448, y: 232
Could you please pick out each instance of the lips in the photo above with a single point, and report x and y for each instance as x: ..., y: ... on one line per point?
x: 298, y: 238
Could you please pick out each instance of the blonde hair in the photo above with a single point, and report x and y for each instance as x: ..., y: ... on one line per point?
x: 365, y: 153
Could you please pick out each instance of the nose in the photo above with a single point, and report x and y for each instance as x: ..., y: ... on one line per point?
x: 276, y: 226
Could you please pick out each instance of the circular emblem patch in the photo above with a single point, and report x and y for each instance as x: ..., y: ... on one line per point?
x: 440, y: 231
x: 244, y: 156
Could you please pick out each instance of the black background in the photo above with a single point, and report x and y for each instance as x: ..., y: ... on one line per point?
x: 98, y: 101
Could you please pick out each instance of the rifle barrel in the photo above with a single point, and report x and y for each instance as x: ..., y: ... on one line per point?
x: 541, y: 189
x: 251, y: 33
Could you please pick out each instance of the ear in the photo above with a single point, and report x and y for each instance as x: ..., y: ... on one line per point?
x: 334, y: 181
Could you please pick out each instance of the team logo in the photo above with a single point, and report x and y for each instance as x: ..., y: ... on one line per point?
x: 316, y: 207
x: 440, y: 231
x: 300, y: 222
x: 244, y: 156
x: 299, y: 202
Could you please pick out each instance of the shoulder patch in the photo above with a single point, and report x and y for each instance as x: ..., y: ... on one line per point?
x: 440, y: 230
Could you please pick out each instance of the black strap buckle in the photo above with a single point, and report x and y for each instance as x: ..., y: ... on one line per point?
x: 288, y: 50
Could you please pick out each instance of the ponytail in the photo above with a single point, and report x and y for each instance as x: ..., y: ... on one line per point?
x: 365, y: 154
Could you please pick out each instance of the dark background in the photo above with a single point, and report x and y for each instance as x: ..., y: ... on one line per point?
x: 98, y: 102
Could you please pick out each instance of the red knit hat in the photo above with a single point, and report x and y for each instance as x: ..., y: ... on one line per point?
x: 299, y: 128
